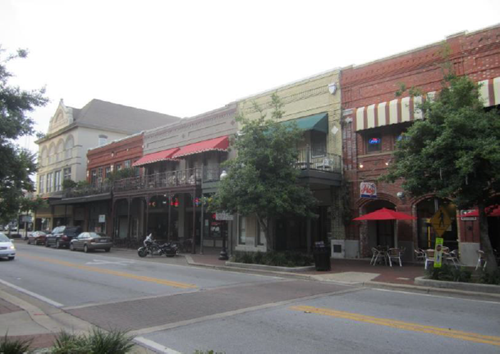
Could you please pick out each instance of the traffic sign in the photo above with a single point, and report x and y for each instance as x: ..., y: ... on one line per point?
x: 441, y: 221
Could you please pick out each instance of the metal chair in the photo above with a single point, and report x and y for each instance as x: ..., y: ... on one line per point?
x: 480, y: 259
x: 419, y: 254
x: 394, y: 254
x: 378, y: 255
x: 452, y: 257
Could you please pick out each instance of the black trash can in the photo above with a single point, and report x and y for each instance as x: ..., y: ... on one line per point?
x: 321, y: 255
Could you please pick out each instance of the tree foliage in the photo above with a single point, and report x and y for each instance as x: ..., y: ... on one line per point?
x: 454, y: 152
x: 17, y: 163
x: 262, y: 179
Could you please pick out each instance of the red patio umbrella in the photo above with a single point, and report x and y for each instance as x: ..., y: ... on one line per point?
x: 386, y: 214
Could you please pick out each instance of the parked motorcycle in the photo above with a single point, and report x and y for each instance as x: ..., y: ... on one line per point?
x: 153, y: 248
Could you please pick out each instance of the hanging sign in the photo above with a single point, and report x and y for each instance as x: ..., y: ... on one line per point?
x: 438, y: 253
x: 102, y: 218
x: 368, y: 190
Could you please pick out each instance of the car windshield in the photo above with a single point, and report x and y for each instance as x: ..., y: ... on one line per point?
x: 58, y: 229
x: 4, y: 238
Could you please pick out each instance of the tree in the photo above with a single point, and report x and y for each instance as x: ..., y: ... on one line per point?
x: 454, y: 152
x: 17, y: 163
x: 262, y: 179
x: 27, y: 204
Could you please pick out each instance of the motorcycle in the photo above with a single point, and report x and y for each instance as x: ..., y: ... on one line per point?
x: 153, y: 248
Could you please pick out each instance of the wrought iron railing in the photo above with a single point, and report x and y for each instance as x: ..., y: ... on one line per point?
x: 188, y: 177
x: 87, y: 190
x: 322, y: 162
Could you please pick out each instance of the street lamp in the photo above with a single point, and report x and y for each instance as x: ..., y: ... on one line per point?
x: 223, y: 253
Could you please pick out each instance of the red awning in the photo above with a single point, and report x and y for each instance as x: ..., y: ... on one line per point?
x: 491, y: 211
x: 386, y: 214
x: 165, y: 155
x: 217, y: 144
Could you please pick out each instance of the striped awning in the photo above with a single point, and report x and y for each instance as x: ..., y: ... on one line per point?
x: 165, y: 155
x: 402, y: 110
x: 217, y: 144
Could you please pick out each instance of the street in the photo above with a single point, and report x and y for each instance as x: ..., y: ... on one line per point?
x: 171, y: 307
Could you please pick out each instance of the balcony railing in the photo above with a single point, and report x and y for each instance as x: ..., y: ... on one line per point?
x: 85, y: 191
x: 189, y: 177
x: 307, y: 160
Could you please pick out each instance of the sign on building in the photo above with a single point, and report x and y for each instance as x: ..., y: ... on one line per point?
x: 224, y: 216
x: 102, y: 218
x: 368, y: 190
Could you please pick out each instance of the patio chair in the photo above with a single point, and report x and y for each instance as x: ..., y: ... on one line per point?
x: 394, y: 254
x: 480, y: 258
x: 429, y: 257
x: 452, y: 257
x: 419, y: 254
x: 377, y: 256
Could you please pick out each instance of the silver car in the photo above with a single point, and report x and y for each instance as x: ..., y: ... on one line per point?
x: 88, y: 241
x: 7, y: 248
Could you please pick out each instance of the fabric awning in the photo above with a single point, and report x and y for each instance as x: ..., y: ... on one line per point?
x: 317, y: 122
x: 217, y: 144
x: 165, y: 155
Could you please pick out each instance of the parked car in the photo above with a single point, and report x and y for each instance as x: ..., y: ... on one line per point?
x: 37, y: 238
x: 7, y: 248
x: 89, y: 241
x: 61, y: 236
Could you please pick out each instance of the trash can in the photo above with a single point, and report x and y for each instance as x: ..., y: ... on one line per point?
x: 321, y: 255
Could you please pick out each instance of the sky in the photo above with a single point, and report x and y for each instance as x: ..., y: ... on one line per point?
x: 184, y: 58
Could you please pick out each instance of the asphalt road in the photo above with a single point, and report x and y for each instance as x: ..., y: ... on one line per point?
x: 177, y: 308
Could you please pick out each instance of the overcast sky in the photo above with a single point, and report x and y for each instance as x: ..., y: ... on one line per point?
x: 187, y: 57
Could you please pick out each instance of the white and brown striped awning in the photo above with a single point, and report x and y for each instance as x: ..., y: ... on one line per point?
x: 402, y: 110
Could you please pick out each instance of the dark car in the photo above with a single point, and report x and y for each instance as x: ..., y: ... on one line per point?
x: 61, y: 236
x: 88, y: 241
x: 37, y: 238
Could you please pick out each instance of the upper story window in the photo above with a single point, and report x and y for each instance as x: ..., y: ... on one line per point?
x: 318, y: 144
x: 373, y: 144
x: 41, y: 184
x: 67, y: 173
x: 103, y: 140
x: 126, y: 164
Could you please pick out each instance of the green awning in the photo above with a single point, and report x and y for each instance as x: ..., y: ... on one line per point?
x: 317, y: 122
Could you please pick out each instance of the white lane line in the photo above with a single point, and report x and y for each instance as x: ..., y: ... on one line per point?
x: 438, y: 296
x: 155, y: 346
x: 30, y: 293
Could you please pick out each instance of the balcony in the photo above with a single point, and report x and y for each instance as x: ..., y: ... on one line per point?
x: 171, y: 179
x: 322, y: 168
x: 76, y: 192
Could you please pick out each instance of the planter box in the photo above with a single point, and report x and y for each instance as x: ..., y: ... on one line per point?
x: 472, y: 287
x: 270, y: 268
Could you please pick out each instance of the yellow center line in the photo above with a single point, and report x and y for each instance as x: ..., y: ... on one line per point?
x: 113, y: 272
x: 472, y: 337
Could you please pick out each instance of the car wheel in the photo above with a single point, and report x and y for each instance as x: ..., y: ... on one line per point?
x: 11, y: 258
x: 85, y: 249
x: 107, y: 249
x: 29, y: 242
x: 71, y: 247
x: 58, y: 245
x: 47, y: 244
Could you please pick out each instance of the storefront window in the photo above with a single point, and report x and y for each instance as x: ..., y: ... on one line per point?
x: 374, y: 144
x: 242, y: 234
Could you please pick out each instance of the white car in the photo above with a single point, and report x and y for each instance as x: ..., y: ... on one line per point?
x: 7, y: 248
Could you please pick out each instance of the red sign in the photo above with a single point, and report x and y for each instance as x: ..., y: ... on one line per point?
x: 368, y: 190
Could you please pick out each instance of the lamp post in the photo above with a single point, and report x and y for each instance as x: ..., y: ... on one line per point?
x: 223, y: 253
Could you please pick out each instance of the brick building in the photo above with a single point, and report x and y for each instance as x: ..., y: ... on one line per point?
x: 373, y: 120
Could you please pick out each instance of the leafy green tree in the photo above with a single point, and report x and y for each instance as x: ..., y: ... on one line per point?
x: 454, y: 152
x: 262, y: 179
x: 17, y: 164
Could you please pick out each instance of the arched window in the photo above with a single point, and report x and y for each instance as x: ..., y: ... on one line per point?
x: 59, y: 150
x: 52, y: 151
x: 42, y: 159
x: 68, y: 147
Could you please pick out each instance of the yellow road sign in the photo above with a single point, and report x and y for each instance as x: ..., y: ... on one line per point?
x: 441, y: 221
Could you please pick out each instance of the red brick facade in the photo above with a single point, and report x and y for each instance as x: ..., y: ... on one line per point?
x: 476, y: 55
x: 116, y: 154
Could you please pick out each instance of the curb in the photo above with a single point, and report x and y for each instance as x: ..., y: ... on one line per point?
x: 467, y: 287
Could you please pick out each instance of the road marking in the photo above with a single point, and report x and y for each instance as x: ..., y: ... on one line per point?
x: 30, y: 293
x: 153, y: 345
x: 472, y: 337
x: 101, y: 262
x: 116, y: 273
